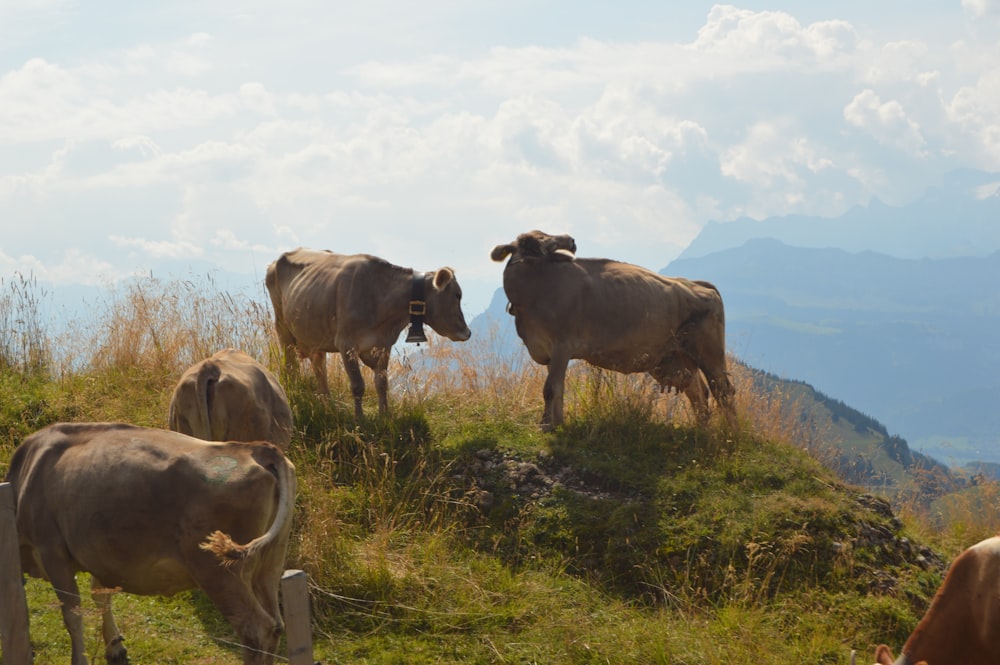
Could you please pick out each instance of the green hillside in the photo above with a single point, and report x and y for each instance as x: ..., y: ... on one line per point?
x: 455, y: 531
x: 858, y: 448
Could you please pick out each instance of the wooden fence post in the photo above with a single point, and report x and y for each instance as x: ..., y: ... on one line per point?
x: 298, y: 619
x: 14, y: 642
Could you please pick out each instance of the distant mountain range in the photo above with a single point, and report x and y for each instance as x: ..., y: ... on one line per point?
x: 892, y: 310
x: 912, y: 343
x: 959, y: 217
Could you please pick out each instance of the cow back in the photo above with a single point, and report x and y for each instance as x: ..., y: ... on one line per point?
x: 333, y: 302
x: 231, y: 397
x: 612, y: 314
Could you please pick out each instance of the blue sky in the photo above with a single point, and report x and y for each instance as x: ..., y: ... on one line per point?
x: 189, y: 136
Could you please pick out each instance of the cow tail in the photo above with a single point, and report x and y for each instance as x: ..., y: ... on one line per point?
x: 208, y: 378
x: 229, y: 551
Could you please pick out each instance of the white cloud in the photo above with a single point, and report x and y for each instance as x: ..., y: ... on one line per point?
x: 887, y: 122
x: 146, y: 146
x: 232, y: 144
x: 158, y: 249
x: 975, y: 110
x: 899, y: 61
x: 72, y: 266
x: 771, y: 37
x: 981, y: 8
x: 42, y: 101
x: 771, y: 152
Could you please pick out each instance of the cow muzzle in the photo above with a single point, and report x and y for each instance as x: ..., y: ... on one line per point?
x: 461, y: 336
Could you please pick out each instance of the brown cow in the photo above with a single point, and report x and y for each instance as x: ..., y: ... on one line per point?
x: 962, y: 624
x: 617, y: 316
x: 155, y: 512
x: 356, y: 305
x: 231, y: 397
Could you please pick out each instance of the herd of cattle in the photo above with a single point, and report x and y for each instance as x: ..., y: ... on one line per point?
x: 151, y: 511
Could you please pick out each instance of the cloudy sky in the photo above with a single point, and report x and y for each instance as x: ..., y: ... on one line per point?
x: 179, y: 136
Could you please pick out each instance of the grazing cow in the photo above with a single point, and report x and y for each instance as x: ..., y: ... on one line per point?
x: 962, y: 624
x: 357, y: 305
x: 231, y: 397
x: 155, y: 512
x: 616, y: 316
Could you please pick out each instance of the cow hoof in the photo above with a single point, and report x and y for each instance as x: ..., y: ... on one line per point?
x: 115, y: 653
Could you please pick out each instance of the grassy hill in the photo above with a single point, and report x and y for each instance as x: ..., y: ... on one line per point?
x: 455, y: 532
x: 859, y: 448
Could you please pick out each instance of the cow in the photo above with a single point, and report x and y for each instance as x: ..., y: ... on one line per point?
x: 617, y: 316
x: 357, y: 305
x: 962, y: 624
x: 155, y: 512
x: 229, y: 396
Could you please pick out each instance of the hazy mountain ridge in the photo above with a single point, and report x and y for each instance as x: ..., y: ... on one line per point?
x: 879, y: 307
x: 955, y: 219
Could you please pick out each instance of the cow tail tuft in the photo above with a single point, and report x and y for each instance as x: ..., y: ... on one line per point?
x: 224, y: 548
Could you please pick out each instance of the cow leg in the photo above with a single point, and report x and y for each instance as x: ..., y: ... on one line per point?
x: 63, y: 580
x: 680, y: 372
x: 692, y: 382
x: 723, y: 391
x: 287, y: 340
x: 707, y: 345
x: 318, y: 362
x: 553, y: 391
x: 267, y: 584
x: 114, y: 647
x: 378, y: 360
x: 697, y: 392
x: 353, y: 370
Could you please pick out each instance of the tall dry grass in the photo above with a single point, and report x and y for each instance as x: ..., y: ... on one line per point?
x: 159, y: 325
x: 147, y: 331
x: 24, y: 344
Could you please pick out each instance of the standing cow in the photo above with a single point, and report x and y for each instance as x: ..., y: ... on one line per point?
x: 962, y: 624
x: 155, y: 512
x: 357, y: 305
x: 617, y: 316
x: 230, y: 396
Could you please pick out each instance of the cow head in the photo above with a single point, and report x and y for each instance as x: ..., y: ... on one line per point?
x: 537, y: 244
x: 444, y: 306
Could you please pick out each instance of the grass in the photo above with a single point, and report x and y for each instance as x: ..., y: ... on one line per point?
x: 455, y: 531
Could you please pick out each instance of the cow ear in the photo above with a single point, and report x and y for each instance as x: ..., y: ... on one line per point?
x: 883, y: 655
x: 442, y: 278
x: 501, y: 252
